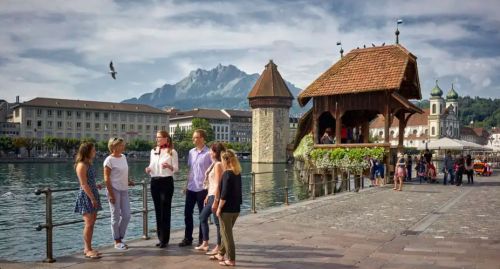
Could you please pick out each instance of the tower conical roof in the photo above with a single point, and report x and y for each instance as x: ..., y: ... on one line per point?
x: 436, y: 91
x: 452, y: 94
x: 270, y: 87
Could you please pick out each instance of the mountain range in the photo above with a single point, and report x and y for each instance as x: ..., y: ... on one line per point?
x: 221, y: 87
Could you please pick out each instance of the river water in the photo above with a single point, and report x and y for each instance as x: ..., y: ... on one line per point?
x: 21, y: 210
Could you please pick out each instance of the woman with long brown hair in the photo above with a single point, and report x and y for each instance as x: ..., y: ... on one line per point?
x: 229, y: 206
x: 162, y: 166
x: 87, y: 201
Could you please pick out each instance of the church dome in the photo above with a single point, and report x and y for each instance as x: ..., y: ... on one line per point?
x: 452, y: 94
x: 436, y: 91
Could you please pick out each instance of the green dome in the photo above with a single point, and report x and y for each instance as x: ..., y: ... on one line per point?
x: 436, y: 92
x: 452, y: 94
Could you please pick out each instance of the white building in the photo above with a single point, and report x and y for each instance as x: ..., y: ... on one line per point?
x: 219, y: 121
x: 440, y: 120
x: 494, y: 139
x: 64, y: 118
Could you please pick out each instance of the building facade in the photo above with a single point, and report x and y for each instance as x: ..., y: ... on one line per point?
x: 65, y: 118
x: 439, y: 120
x: 218, y: 120
x: 9, y: 129
x: 494, y: 139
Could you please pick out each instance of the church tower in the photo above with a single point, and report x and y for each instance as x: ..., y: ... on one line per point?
x: 437, y: 107
x: 452, y: 124
x: 270, y: 100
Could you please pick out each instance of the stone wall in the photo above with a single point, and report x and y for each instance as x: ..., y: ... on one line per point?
x: 270, y: 127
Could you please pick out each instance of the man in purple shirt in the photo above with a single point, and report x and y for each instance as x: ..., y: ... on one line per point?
x: 198, y: 162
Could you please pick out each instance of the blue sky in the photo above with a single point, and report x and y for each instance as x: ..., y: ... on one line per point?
x: 62, y: 48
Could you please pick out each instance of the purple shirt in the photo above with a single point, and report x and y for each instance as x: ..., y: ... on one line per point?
x: 198, y: 163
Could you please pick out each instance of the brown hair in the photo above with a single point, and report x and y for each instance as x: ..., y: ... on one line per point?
x: 202, y: 133
x: 231, y: 161
x: 170, y: 144
x: 218, y: 148
x: 84, y: 153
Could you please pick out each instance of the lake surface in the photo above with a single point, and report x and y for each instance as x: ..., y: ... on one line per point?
x: 21, y: 210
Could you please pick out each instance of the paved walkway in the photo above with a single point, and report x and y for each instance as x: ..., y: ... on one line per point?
x: 424, y: 226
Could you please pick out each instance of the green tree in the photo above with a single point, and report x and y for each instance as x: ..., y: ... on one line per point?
x: 49, y: 142
x: 179, y: 134
x: 139, y: 145
x: 102, y: 146
x: 25, y: 142
x: 6, y: 144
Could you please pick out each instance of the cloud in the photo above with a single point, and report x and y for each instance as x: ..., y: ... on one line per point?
x: 155, y: 42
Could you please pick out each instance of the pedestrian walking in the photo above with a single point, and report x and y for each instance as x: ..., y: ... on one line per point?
x: 469, y: 169
x: 448, y: 168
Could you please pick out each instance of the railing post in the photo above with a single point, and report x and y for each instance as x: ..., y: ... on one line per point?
x: 313, y: 178
x: 286, y: 186
x: 253, y: 193
x: 325, y: 187
x: 145, y: 233
x: 48, y: 224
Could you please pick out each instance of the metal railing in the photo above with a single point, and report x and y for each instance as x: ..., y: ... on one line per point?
x: 49, y: 225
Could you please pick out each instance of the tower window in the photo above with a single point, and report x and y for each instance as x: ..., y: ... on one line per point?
x: 433, y: 108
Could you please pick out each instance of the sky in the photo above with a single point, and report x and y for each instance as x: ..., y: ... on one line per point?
x: 62, y: 49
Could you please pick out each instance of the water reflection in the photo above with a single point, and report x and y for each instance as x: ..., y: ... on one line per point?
x: 21, y: 210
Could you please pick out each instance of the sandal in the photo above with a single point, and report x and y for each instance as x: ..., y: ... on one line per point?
x: 216, y: 257
x: 92, y: 255
x: 214, y: 251
x: 227, y: 263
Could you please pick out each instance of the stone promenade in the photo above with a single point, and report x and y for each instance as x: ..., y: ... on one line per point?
x: 424, y: 226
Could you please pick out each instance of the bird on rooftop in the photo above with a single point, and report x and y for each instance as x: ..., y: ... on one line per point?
x: 112, y: 70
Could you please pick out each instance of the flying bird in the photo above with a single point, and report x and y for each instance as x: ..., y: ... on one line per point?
x: 383, y: 44
x: 112, y: 70
x: 373, y: 45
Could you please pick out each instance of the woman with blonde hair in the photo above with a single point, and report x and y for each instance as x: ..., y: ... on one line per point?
x: 117, y: 182
x: 162, y: 166
x: 400, y: 172
x: 87, y: 199
x: 229, y: 206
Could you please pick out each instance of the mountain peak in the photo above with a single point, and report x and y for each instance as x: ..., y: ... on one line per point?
x: 224, y: 86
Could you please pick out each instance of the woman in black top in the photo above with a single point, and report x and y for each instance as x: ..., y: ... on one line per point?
x: 229, y: 206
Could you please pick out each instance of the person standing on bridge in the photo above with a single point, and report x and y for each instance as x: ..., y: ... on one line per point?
x: 87, y: 199
x: 117, y: 182
x: 229, y: 206
x: 198, y: 162
x: 163, y: 164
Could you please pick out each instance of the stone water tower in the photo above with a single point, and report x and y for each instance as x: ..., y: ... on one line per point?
x: 270, y: 100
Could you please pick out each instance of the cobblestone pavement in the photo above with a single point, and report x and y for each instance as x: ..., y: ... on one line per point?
x: 424, y: 226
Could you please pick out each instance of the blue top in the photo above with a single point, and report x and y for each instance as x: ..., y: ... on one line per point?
x: 198, y: 163
x: 83, y: 203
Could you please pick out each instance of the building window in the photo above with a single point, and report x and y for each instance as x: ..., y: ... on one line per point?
x: 106, y: 115
x: 96, y: 114
x: 28, y: 123
x: 78, y: 125
x: 78, y: 114
x: 16, y: 112
x: 148, y: 128
x: 49, y: 124
x: 97, y: 126
x: 433, y: 130
x: 69, y: 125
x: 88, y: 115
x: 106, y: 127
x: 49, y: 112
x: 415, y: 131
x: 131, y: 127
x: 115, y: 126
x: 59, y: 125
x: 433, y: 108
x: 39, y: 124
x: 69, y: 114
x: 59, y: 113
x: 155, y: 128
x: 123, y: 127
x: 139, y: 127
x: 87, y: 125
x: 38, y: 112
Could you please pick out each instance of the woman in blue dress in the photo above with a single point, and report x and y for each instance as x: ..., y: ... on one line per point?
x: 87, y: 200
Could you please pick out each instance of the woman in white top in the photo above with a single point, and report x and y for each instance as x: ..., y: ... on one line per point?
x: 162, y: 166
x: 117, y: 182
x: 212, y: 181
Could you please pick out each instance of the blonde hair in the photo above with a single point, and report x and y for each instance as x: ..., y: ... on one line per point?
x: 231, y: 161
x: 84, y: 153
x: 113, y: 142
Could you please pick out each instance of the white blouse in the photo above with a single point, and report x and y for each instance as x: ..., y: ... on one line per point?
x: 156, y: 160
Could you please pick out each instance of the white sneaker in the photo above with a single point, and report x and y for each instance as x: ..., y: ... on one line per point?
x: 121, y: 246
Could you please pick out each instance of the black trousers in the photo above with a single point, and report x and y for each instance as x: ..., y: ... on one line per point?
x: 193, y: 198
x: 162, y: 190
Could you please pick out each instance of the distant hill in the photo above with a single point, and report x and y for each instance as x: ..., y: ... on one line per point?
x: 221, y: 87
